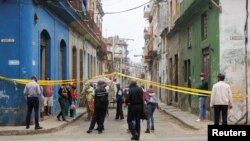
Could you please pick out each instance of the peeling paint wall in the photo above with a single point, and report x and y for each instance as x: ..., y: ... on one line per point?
x: 24, y: 51
x: 232, y: 51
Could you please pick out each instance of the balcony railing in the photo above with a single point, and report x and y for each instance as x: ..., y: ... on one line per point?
x: 91, y: 23
x: 146, y: 13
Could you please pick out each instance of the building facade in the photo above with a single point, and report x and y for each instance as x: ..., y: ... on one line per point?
x: 205, y: 36
x: 45, y: 39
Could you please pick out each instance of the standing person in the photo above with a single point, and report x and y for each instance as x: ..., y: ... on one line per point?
x: 221, y: 99
x: 88, y: 91
x: 32, y: 91
x: 100, y: 107
x: 152, y: 103
x: 126, y: 104
x: 48, y: 97
x: 73, y: 96
x: 135, y: 99
x: 119, y: 101
x: 64, y: 95
x: 42, y: 107
x: 202, y: 99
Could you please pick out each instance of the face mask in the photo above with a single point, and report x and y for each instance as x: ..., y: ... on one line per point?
x: 202, y: 78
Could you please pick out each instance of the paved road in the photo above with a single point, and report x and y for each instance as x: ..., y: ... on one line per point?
x: 166, y: 129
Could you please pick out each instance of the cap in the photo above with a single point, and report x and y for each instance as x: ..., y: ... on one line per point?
x: 202, y: 74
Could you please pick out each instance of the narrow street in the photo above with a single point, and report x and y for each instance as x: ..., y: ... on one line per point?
x: 167, y: 129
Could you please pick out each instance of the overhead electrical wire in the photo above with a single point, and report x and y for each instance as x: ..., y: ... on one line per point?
x: 127, y: 10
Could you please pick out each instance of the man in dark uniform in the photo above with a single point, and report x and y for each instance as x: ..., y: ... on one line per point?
x: 100, y: 107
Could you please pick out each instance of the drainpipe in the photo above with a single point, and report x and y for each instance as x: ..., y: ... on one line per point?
x: 246, y: 59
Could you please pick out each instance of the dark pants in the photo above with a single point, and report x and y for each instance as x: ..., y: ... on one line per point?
x: 220, y: 109
x: 119, y: 111
x: 62, y: 103
x: 134, y: 120
x: 98, y: 117
x: 32, y: 102
x: 128, y: 115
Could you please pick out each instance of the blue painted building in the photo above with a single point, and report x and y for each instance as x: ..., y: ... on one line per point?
x: 33, y: 41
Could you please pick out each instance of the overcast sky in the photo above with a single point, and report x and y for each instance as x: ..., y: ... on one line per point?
x: 127, y: 25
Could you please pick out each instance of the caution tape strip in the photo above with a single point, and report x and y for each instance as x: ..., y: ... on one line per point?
x: 180, y: 89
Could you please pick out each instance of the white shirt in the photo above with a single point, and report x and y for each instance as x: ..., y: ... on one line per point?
x: 32, y: 89
x: 221, y: 94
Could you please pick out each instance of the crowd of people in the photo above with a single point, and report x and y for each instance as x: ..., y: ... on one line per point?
x: 140, y: 102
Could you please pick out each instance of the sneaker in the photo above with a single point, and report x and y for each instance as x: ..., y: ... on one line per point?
x: 198, y: 120
x: 100, y: 131
x: 147, y: 131
x: 27, y: 127
x: 89, y: 131
x: 136, y: 138
x: 65, y: 120
x: 152, y: 128
x: 58, y: 118
x: 39, y: 127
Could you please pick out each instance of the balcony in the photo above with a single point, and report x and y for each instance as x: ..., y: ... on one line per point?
x: 146, y: 12
x: 92, y: 25
x: 146, y: 34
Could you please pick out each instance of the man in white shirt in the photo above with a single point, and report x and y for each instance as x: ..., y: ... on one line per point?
x: 32, y: 91
x: 221, y: 99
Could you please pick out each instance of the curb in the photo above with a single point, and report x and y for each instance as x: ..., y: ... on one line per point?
x: 176, y: 117
x: 42, y: 131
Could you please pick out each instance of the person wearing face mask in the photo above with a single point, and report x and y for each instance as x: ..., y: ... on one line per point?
x: 202, y: 99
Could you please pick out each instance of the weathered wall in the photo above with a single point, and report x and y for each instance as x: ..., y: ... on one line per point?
x: 232, y: 50
x: 21, y: 58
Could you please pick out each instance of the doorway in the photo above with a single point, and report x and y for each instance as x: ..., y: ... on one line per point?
x: 45, y: 55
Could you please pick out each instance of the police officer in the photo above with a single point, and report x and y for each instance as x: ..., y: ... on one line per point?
x: 100, y: 107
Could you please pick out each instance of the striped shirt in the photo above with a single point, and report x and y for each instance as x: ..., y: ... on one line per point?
x: 32, y: 89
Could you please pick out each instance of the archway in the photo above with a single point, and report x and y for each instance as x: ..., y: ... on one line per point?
x: 74, y: 63
x: 45, y: 55
x: 62, y: 60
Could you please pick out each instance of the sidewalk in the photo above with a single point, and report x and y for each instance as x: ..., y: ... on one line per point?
x: 186, y: 118
x: 50, y: 124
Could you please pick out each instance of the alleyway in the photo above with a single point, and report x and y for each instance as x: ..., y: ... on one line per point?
x: 167, y: 129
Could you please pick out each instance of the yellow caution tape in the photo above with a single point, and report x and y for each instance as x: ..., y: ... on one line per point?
x: 180, y: 89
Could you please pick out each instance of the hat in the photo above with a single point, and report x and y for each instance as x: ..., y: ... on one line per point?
x: 202, y: 74
x: 221, y: 76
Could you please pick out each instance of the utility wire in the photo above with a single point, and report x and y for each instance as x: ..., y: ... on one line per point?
x: 128, y: 9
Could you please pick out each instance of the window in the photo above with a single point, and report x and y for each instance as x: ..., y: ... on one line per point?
x: 204, y: 28
x: 189, y: 45
x: 206, y: 62
x: 187, y: 70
